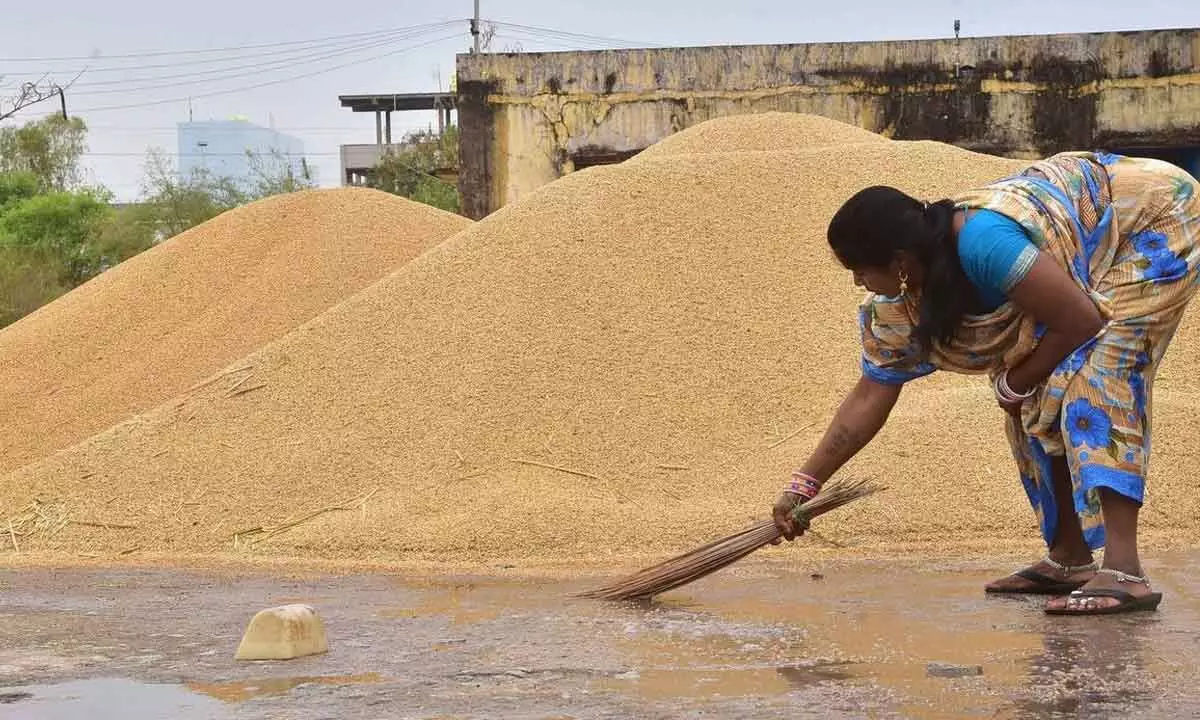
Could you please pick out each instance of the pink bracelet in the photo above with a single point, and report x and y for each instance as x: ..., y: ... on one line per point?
x: 804, y: 485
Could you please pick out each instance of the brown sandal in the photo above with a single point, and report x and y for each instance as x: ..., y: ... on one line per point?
x: 1044, y: 584
x: 1077, y: 601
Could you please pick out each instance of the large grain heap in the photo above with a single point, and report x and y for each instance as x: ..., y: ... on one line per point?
x: 625, y: 364
x: 768, y: 132
x: 153, y: 326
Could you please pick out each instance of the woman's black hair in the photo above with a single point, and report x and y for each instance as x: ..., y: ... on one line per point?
x: 879, y: 222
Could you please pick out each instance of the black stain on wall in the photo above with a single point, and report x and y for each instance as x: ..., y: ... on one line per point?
x: 1159, y: 65
x: 1064, y: 109
x: 610, y: 81
x: 477, y: 124
x: 926, y: 101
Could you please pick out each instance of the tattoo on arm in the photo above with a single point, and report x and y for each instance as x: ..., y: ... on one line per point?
x: 842, y: 441
x: 857, y: 421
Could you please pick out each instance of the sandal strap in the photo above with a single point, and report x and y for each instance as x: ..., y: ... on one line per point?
x: 1099, y: 593
x: 1125, y: 577
x: 1071, y: 569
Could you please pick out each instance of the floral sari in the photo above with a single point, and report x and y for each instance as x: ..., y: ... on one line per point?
x: 1128, y: 232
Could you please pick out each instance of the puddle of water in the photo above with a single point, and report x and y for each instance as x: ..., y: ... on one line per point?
x: 243, y: 690
x: 865, y: 631
x: 856, y: 644
x: 660, y: 684
x: 467, y: 603
x: 108, y: 699
x: 802, y: 677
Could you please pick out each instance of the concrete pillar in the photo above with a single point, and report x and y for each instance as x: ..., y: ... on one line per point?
x: 378, y: 128
x: 388, y: 126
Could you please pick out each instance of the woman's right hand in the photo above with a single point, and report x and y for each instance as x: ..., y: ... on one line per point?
x: 782, y: 513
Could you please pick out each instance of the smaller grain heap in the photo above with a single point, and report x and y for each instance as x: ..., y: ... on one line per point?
x: 151, y: 327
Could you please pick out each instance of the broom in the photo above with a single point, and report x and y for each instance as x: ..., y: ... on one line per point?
x: 707, y: 559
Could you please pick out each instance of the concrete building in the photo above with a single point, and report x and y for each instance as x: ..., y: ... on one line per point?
x: 529, y: 118
x: 223, y: 148
x: 358, y: 159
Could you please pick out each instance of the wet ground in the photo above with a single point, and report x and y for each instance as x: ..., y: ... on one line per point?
x: 859, y: 639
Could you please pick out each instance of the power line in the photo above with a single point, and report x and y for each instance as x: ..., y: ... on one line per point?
x: 163, y: 129
x: 199, y: 51
x: 564, y: 35
x: 288, y: 52
x: 280, y: 81
x: 204, y: 154
x: 229, y: 74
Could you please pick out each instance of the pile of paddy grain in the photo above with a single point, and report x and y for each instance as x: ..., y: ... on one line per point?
x: 150, y: 328
x: 761, y: 132
x: 625, y: 364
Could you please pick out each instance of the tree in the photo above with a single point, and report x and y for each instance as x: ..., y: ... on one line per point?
x: 59, y: 228
x: 124, y: 233
x: 276, y: 175
x: 15, y: 187
x: 173, y: 204
x: 49, y: 148
x: 410, y: 170
x: 48, y: 243
x: 26, y: 283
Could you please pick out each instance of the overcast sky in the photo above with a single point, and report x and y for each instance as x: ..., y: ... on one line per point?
x: 300, y: 35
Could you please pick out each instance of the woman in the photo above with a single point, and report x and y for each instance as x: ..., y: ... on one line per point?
x: 1064, y: 284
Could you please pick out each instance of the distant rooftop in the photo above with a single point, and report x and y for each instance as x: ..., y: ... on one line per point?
x: 398, y: 101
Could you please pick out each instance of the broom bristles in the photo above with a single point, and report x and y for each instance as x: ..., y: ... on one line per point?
x: 723, y: 552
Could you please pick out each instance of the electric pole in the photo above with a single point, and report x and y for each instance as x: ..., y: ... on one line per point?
x: 475, y: 27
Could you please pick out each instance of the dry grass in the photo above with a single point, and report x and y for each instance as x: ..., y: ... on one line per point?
x: 145, y: 331
x: 642, y: 336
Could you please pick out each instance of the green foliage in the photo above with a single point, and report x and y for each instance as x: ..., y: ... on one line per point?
x: 15, y: 187
x: 411, y: 169
x: 172, y: 204
x: 124, y: 233
x: 58, y: 227
x: 274, y: 175
x: 27, y: 281
x: 49, y: 149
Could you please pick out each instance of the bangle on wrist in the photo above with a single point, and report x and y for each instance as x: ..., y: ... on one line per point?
x: 804, y: 485
x: 1006, y: 394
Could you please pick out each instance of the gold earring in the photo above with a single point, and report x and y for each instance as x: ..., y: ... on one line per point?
x: 903, y: 283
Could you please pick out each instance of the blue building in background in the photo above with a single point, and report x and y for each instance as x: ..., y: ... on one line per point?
x: 239, y: 150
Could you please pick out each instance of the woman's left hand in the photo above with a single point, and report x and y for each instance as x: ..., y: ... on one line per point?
x: 1012, y: 408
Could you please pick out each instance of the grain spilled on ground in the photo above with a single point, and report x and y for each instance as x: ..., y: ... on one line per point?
x: 625, y: 364
x: 152, y: 327
x: 761, y: 132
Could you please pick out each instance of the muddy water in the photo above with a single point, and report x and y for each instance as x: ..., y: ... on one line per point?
x: 860, y: 639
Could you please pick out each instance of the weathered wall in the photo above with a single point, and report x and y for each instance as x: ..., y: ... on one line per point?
x: 532, y: 117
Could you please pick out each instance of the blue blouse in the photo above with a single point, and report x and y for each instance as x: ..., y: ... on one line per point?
x: 996, y: 254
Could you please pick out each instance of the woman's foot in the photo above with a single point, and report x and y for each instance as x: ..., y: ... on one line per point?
x: 1049, y: 576
x: 1108, y: 590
